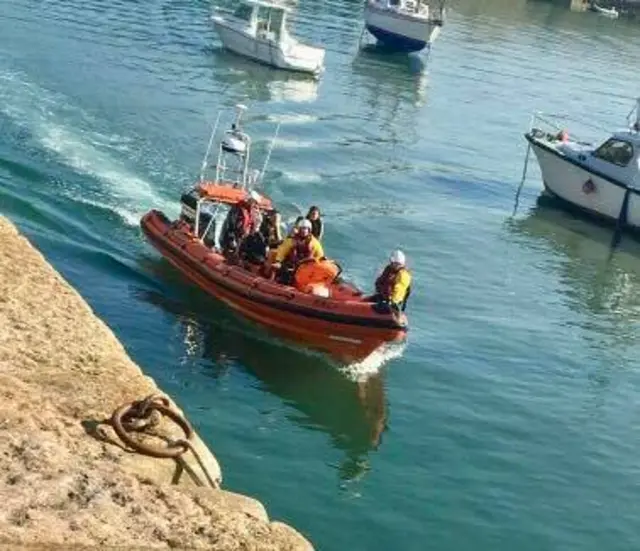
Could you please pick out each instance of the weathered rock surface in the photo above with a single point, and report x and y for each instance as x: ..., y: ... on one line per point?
x: 64, y: 481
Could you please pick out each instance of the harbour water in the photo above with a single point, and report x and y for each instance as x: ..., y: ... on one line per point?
x: 509, y: 419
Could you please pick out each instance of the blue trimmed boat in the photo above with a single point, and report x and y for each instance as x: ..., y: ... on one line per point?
x: 602, y: 181
x: 404, y: 25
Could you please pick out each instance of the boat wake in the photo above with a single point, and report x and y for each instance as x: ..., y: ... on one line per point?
x: 128, y: 195
x: 372, y: 364
x: 46, y: 116
x: 357, y: 372
x: 295, y: 118
x: 284, y: 143
x: 302, y: 178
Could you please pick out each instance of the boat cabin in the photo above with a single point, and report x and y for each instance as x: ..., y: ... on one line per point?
x: 264, y: 20
x: 619, y: 157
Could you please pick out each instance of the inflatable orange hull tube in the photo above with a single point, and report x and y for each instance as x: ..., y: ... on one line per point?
x: 344, y: 326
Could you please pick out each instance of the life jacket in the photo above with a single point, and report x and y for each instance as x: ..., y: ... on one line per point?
x: 242, y: 220
x: 387, y: 281
x: 301, y: 250
x: 237, y: 226
x: 406, y: 299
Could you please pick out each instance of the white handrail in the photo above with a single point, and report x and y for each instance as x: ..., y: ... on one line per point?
x: 636, y: 124
x: 546, y: 119
x: 245, y: 167
x: 206, y: 155
x: 196, y: 225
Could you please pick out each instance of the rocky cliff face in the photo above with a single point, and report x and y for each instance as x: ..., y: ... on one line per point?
x: 65, y: 480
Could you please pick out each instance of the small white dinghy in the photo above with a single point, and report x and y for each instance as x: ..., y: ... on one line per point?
x: 257, y: 30
x: 603, y: 181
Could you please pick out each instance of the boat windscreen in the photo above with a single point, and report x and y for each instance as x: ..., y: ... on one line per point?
x: 615, y: 151
x: 243, y: 11
x: 275, y: 21
x: 270, y: 22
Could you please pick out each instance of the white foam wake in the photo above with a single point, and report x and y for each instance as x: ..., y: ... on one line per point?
x: 284, y: 143
x: 302, y: 177
x: 69, y: 133
x: 373, y: 363
x: 293, y: 118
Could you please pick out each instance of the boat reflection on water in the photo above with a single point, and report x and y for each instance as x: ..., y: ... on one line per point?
x: 597, y: 282
x: 392, y: 88
x: 352, y: 413
x: 296, y: 90
x: 399, y: 78
x: 262, y: 83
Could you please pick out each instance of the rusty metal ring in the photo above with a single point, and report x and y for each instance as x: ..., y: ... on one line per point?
x: 144, y: 404
x: 127, y: 411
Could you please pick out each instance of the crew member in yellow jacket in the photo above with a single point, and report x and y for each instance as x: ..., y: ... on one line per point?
x: 300, y: 247
x: 393, y: 285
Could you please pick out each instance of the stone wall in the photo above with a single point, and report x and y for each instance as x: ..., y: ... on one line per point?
x: 65, y: 479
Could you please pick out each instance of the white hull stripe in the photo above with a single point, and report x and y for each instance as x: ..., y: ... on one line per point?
x: 344, y: 339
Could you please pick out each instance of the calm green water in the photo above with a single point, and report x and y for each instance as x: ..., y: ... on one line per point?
x: 510, y: 419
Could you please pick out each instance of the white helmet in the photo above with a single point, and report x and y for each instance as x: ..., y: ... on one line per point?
x: 305, y: 224
x: 253, y: 194
x: 397, y: 257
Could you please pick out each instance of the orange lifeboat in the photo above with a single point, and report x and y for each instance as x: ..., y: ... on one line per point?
x: 319, y: 311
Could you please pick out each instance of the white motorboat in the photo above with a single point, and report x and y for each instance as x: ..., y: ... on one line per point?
x: 603, y: 181
x: 258, y: 30
x: 404, y: 25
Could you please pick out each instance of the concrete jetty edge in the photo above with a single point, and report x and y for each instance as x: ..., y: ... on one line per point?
x: 66, y: 481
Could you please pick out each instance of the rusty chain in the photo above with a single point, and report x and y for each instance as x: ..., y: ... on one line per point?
x: 143, y: 414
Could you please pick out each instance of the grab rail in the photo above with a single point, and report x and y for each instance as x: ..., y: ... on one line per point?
x: 546, y: 118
